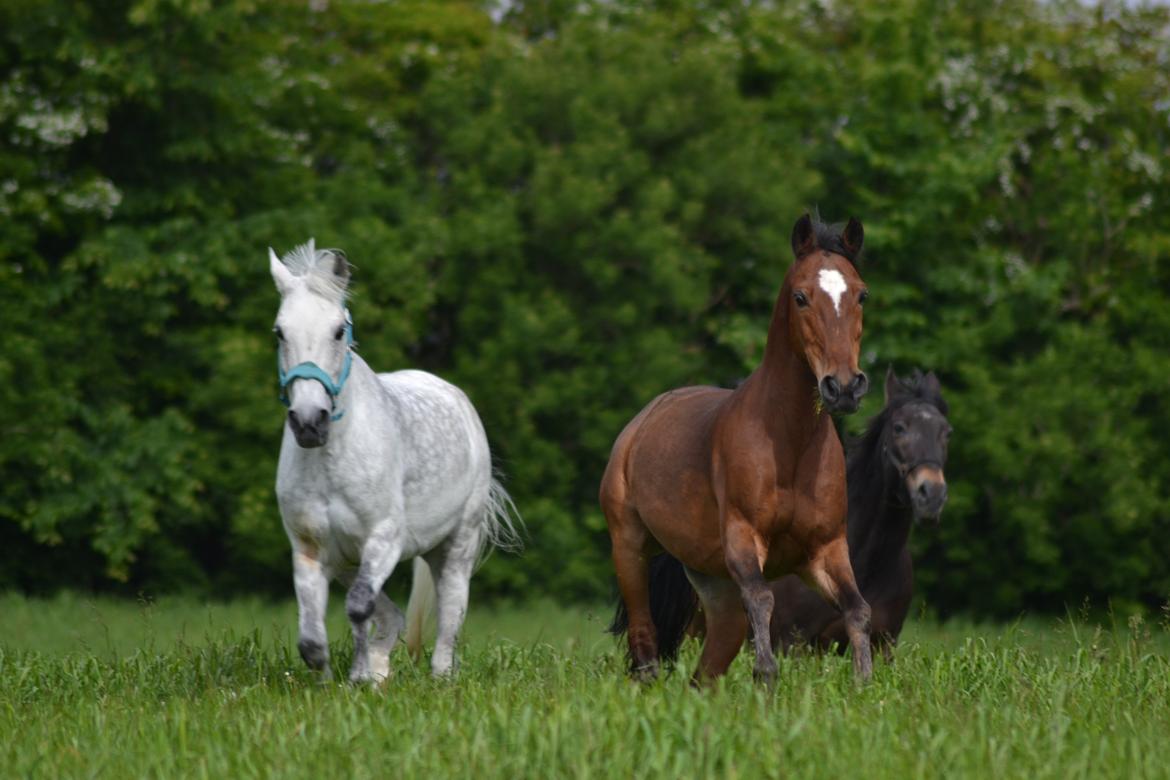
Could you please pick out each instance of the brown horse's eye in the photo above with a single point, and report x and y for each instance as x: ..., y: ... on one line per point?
x: 861, y: 299
x: 801, y: 299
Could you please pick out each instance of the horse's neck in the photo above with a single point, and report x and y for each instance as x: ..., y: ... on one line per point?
x: 782, y: 391
x: 364, y: 396
x: 879, y: 521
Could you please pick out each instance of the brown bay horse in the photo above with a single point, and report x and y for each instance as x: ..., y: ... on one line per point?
x: 895, y: 477
x: 743, y: 486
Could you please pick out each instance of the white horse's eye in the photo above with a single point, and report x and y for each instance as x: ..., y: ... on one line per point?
x: 340, y: 332
x: 276, y: 331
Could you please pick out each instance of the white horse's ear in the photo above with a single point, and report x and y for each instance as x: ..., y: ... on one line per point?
x: 280, y: 274
x: 340, y: 267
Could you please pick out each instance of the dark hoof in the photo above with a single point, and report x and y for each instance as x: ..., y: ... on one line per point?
x: 315, y: 654
x: 359, y: 604
x: 765, y: 673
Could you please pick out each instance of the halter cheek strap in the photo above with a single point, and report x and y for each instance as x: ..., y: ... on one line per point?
x: 310, y: 370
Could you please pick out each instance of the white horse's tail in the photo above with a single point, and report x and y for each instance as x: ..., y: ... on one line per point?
x: 502, y: 524
x: 420, y: 607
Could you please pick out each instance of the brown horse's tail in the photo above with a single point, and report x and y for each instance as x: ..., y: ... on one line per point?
x: 672, y: 606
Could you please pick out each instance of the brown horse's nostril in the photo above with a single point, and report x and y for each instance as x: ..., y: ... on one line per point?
x: 830, y: 389
x: 859, y: 386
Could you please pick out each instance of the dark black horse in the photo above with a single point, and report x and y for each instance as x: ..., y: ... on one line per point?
x: 895, y: 476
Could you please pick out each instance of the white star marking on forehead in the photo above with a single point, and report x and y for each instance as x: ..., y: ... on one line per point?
x: 833, y: 283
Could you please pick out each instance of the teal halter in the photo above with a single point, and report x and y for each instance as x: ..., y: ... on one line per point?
x: 310, y: 370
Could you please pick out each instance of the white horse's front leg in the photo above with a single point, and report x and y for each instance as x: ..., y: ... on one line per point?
x: 379, y: 557
x: 312, y: 586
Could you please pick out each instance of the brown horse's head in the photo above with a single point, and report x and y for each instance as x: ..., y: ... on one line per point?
x: 824, y: 321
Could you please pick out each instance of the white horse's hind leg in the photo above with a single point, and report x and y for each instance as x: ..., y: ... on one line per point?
x: 388, y: 624
x: 312, y: 587
x: 379, y: 557
x: 452, y: 569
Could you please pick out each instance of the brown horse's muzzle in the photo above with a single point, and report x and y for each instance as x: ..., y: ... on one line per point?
x: 843, y: 400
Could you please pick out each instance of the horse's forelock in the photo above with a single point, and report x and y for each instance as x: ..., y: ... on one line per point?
x: 828, y: 238
x: 325, y: 271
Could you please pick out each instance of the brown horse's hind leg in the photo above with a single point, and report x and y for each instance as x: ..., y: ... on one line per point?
x: 725, y: 624
x: 833, y: 575
x: 629, y: 537
x: 743, y: 561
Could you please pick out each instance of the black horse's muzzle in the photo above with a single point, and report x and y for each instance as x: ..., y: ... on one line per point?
x: 928, y: 493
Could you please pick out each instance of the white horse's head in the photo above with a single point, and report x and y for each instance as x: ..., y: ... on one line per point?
x: 314, y: 336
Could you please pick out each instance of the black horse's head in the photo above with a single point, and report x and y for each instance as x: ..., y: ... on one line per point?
x: 915, y: 438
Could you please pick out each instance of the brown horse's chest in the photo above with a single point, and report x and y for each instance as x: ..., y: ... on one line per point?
x: 791, y: 526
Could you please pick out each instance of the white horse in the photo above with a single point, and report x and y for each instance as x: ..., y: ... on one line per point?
x: 374, y: 469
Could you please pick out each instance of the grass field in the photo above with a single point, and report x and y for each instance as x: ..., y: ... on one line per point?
x: 101, y: 688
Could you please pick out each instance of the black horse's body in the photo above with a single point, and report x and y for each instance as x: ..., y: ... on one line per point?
x: 895, y: 475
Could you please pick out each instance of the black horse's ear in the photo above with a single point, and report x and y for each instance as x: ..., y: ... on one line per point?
x: 893, y: 385
x: 804, y: 239
x: 930, y: 386
x: 852, y: 238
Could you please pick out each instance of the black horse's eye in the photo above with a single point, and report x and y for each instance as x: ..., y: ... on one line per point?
x: 801, y: 299
x: 899, y: 429
x: 340, y: 332
x: 861, y: 299
x: 276, y: 331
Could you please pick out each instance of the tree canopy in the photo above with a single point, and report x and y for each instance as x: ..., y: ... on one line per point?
x: 567, y: 208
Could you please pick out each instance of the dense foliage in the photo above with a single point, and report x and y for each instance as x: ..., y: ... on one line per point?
x: 567, y: 208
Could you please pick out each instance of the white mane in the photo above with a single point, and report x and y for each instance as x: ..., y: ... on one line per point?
x: 316, y: 268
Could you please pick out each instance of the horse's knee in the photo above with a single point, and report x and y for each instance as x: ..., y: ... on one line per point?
x: 359, y: 602
x: 314, y: 652
x: 858, y: 617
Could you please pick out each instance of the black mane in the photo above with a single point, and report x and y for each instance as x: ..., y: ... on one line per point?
x: 828, y: 238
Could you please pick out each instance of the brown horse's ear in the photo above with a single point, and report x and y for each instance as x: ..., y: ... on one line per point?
x: 852, y: 237
x: 804, y: 239
x: 893, y: 386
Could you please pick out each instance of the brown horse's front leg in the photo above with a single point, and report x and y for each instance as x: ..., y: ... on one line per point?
x: 833, y: 575
x: 742, y: 556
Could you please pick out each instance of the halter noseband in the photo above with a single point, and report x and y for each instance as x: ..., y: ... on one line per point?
x: 310, y: 370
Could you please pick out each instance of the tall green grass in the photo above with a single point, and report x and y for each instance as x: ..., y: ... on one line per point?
x: 105, y: 688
